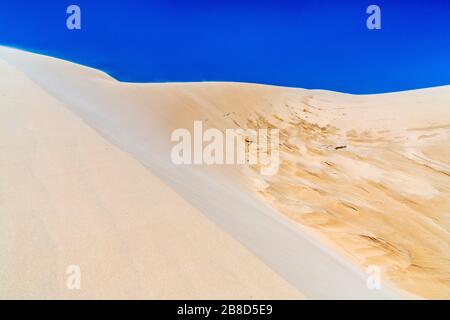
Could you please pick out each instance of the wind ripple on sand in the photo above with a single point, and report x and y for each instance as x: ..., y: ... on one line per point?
x: 381, y: 194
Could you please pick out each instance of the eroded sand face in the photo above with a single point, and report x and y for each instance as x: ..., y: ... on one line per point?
x: 369, y: 173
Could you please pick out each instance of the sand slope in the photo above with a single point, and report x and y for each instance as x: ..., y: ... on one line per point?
x: 364, y: 179
x: 384, y: 199
x: 68, y: 196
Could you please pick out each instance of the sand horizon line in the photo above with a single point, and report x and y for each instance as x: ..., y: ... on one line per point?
x: 79, y: 63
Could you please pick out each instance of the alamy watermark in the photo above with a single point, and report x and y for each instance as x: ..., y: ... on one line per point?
x: 258, y: 147
x: 73, y: 281
x: 73, y: 21
x: 373, y: 22
x: 373, y: 281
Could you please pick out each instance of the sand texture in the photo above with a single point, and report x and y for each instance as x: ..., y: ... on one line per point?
x: 86, y: 178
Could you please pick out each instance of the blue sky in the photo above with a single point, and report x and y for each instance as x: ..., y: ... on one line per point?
x: 310, y: 44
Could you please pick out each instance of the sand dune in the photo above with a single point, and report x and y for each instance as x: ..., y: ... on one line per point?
x: 70, y: 197
x: 364, y: 180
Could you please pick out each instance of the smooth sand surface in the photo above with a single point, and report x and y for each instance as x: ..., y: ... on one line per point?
x: 364, y: 181
x: 70, y: 197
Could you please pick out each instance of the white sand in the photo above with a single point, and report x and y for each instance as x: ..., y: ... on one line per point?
x: 68, y: 196
x: 321, y: 257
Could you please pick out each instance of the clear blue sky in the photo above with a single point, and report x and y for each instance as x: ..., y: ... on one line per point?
x: 310, y: 44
